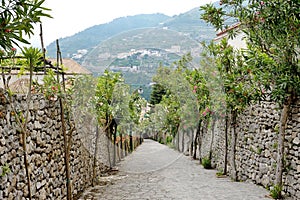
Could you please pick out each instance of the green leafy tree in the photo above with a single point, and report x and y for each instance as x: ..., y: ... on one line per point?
x: 157, y: 93
x: 208, y: 64
x: 174, y: 82
x: 199, y: 87
x: 239, y: 87
x: 136, y: 104
x: 104, y: 104
x: 171, y: 105
x: 104, y: 97
x: 17, y: 20
x: 273, y: 35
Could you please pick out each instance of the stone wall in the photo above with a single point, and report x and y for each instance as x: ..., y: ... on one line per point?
x: 44, y: 151
x: 256, y: 149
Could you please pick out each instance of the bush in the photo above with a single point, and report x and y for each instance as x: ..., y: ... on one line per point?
x: 206, y: 163
x: 169, y: 139
x: 275, y: 192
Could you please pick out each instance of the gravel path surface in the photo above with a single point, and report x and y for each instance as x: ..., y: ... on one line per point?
x: 156, y: 172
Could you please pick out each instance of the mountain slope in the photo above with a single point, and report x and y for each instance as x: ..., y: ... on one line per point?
x: 156, y: 43
x: 92, y: 36
x: 188, y: 23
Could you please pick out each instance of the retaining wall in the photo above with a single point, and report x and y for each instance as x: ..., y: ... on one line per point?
x: 256, y: 149
x: 44, y: 151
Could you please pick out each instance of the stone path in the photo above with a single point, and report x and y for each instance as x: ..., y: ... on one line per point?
x: 156, y: 172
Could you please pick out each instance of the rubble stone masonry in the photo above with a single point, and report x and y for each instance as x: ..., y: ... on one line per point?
x: 45, y: 152
x: 257, y: 143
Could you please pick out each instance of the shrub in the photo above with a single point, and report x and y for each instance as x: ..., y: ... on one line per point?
x: 275, y: 192
x: 206, y: 163
x: 169, y: 139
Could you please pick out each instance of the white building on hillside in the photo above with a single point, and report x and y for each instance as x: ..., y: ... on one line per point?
x: 237, y: 42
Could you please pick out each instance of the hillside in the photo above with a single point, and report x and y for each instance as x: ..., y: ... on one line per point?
x: 91, y: 37
x: 159, y: 44
x: 80, y: 44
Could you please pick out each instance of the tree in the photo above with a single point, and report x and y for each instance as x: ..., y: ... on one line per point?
x: 171, y: 105
x: 135, y: 104
x: 273, y: 35
x: 103, y: 104
x: 198, y: 86
x: 208, y: 64
x: 18, y: 19
x: 238, y: 85
x: 177, y: 89
x: 157, y: 93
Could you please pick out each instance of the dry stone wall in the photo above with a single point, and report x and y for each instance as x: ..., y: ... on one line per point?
x: 44, y: 151
x: 256, y: 149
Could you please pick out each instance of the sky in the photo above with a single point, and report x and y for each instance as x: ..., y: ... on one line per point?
x: 73, y: 16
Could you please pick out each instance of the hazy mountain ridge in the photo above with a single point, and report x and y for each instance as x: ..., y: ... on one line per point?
x: 188, y: 23
x: 91, y: 37
x: 163, y: 43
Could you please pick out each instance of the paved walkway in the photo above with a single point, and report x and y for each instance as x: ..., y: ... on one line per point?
x: 156, y: 172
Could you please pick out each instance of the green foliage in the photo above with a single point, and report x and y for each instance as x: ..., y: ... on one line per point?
x: 275, y: 145
x: 51, y: 87
x: 220, y: 173
x: 275, y: 192
x: 214, y: 84
x: 201, y: 91
x: 83, y: 96
x: 18, y: 18
x: 104, y: 96
x: 169, y: 139
x: 136, y: 103
x: 206, y: 163
x: 272, y: 29
x: 5, y: 170
x: 172, y: 106
x: 158, y: 92
x: 236, y: 75
x: 177, y: 107
x: 259, y: 150
x: 33, y: 58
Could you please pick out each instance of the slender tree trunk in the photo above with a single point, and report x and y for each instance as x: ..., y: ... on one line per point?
x: 125, y: 146
x: 108, y: 133
x: 66, y: 151
x: 3, y: 79
x: 64, y: 131
x: 192, y: 143
x: 26, y: 164
x: 182, y: 142
x: 108, y: 150
x: 281, y: 137
x: 212, y: 137
x: 43, y: 47
x: 195, y: 147
x: 199, y: 147
x: 24, y: 133
x: 178, y: 137
x: 196, y: 139
x: 233, y: 146
x: 201, y: 135
x: 130, y: 139
x: 226, y: 144
x: 95, y: 155
x: 121, y: 145
x: 115, y: 144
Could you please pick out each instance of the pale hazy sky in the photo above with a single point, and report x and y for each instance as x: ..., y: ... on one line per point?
x: 72, y: 16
